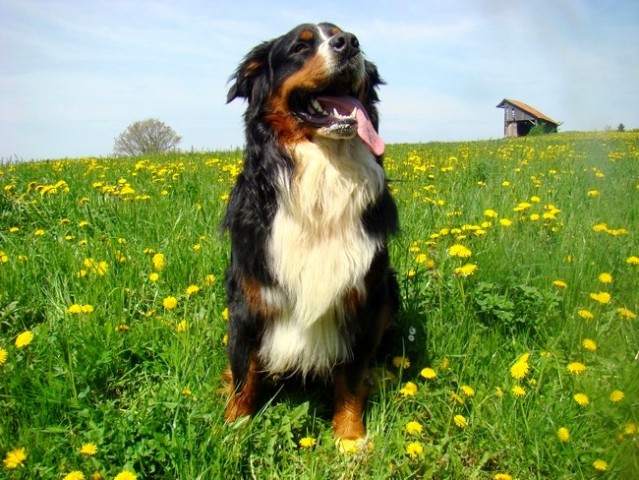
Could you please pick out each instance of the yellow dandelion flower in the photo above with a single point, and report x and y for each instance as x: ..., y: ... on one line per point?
x: 499, y: 392
x: 39, y: 232
x: 560, y: 284
x: 582, y: 399
x: 126, y: 475
x: 15, y: 458
x: 170, y: 303
x: 421, y: 258
x: 460, y: 251
x: 409, y: 389
x: 505, y: 222
x: 154, y: 277
x: 98, y: 267
x: 3, y: 356
x: 585, y: 314
x: 524, y: 357
x: 605, y: 278
x: 589, y: 344
x: 468, y: 391
x: 401, y: 362
x: 630, y: 428
x: 192, y: 290
x: 625, y: 313
x: 460, y: 421
x: 518, y: 391
x: 414, y: 450
x: 601, y: 297
x: 89, y: 449
x: 600, y: 465
x: 225, y: 339
x: 209, y: 280
x: 225, y: 314
x: 576, y: 367
x: 522, y: 206
x: 307, y: 442
x: 490, y: 213
x: 617, y: 396
x: 182, y: 326
x: 187, y: 392
x: 428, y: 373
x: 75, y: 475
x: 502, y: 476
x: 563, y: 435
x: 87, y: 308
x: 466, y: 270
x: 456, y: 398
x: 414, y: 428
x: 158, y: 261
x: 74, y: 309
x: 24, y: 339
x: 519, y: 369
x: 632, y: 260
x: 350, y: 447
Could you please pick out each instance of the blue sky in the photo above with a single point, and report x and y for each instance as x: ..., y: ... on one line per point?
x: 74, y: 74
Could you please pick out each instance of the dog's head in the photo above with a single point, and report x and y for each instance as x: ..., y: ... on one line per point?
x: 314, y: 80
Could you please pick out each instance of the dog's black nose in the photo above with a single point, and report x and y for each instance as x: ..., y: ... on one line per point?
x: 345, y: 44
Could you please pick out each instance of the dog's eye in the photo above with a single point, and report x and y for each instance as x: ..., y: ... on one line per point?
x: 301, y: 47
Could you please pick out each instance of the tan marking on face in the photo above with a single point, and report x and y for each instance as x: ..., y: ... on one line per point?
x: 306, y: 35
x: 312, y: 76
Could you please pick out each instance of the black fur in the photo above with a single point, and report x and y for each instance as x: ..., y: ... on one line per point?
x: 254, y: 201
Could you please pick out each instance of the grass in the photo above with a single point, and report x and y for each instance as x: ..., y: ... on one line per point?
x: 505, y: 329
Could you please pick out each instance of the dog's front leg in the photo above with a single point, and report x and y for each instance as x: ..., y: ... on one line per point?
x: 246, y: 370
x: 243, y: 400
x: 349, y: 400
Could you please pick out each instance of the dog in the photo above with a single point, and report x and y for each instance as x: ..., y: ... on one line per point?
x: 309, y: 285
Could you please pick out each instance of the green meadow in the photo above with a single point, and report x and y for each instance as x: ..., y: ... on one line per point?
x: 514, y: 356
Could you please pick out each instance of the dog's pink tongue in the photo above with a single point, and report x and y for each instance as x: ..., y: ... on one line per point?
x: 365, y: 129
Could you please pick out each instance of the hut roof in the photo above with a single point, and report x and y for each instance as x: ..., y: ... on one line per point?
x: 528, y: 109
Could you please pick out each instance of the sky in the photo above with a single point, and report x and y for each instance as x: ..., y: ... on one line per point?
x: 75, y: 73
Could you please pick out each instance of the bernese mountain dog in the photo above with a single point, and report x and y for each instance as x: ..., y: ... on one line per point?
x: 309, y: 287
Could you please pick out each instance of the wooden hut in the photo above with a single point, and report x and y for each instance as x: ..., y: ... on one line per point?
x: 520, y: 118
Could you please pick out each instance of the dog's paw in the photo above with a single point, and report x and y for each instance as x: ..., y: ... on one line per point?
x: 354, y: 446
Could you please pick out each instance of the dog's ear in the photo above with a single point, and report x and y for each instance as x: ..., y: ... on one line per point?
x: 373, y: 80
x: 248, y: 73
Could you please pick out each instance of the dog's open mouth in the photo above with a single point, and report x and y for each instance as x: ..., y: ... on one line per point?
x: 337, y: 115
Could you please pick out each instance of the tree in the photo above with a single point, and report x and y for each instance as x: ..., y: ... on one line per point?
x: 621, y: 128
x: 146, y: 137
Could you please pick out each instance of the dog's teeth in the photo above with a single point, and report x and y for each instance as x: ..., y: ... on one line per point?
x: 317, y: 107
x: 339, y: 116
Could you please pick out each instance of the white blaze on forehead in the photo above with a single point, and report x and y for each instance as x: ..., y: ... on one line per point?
x: 324, y: 35
x: 324, y: 49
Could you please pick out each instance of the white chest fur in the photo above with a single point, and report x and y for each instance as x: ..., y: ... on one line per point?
x: 320, y: 252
